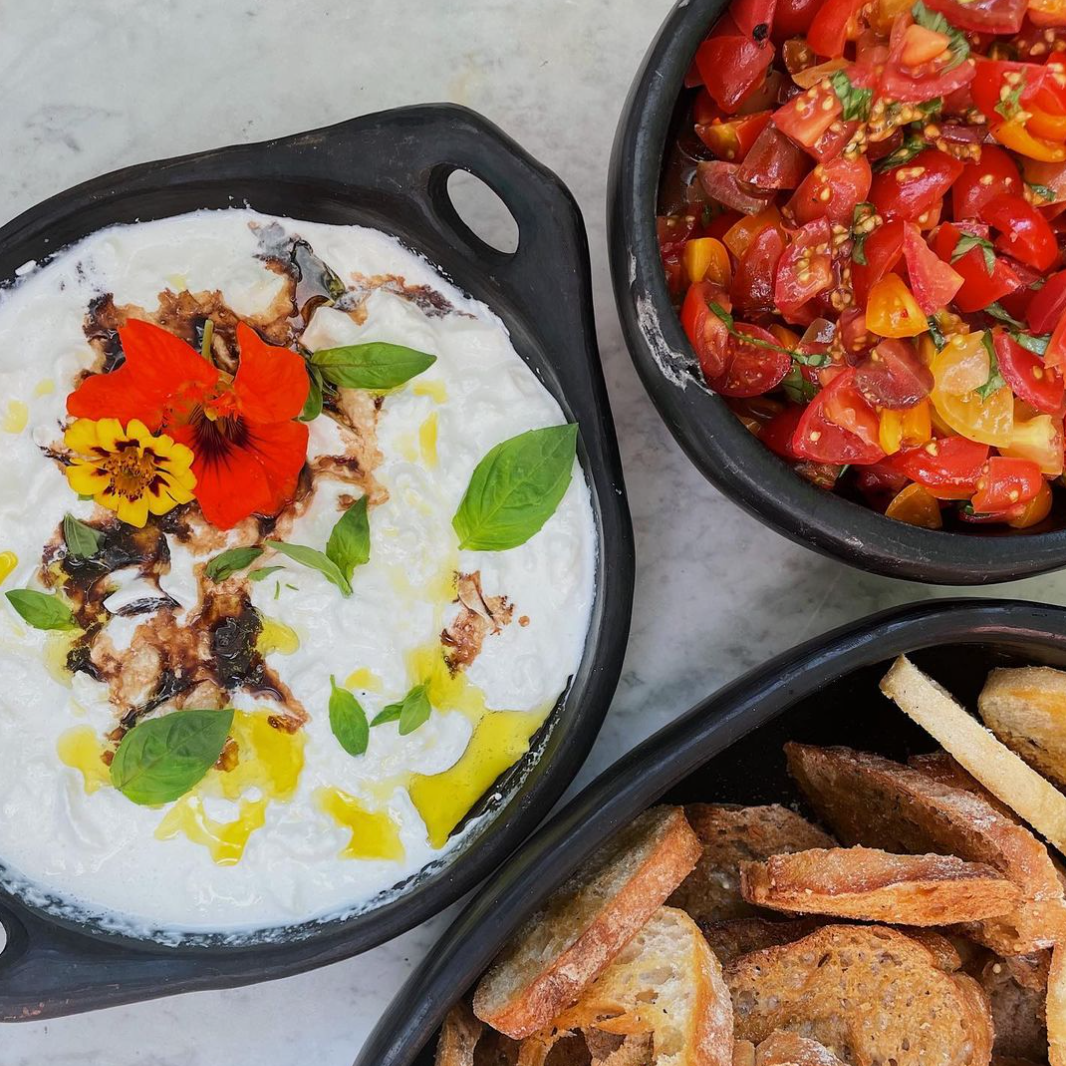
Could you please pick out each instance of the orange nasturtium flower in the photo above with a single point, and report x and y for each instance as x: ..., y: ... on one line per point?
x: 131, y: 471
x: 247, y: 450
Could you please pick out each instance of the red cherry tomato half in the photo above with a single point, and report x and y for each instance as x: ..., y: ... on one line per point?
x: 932, y: 281
x: 915, y: 82
x: 1025, y: 233
x: 1005, y: 483
x: 752, y: 286
x: 778, y: 432
x: 731, y: 67
x: 773, y: 162
x: 706, y: 332
x: 1048, y: 306
x: 979, y: 287
x: 751, y: 369
x: 838, y: 426
x: 882, y: 250
x: 995, y: 79
x: 832, y: 190
x: 718, y: 180
x: 912, y: 190
x: 793, y: 18
x: 995, y: 174
x: 830, y: 27
x: 893, y: 376
x: 984, y: 16
x: 1029, y: 378
x: 748, y: 14
x: 949, y: 467
x: 805, y: 269
x: 807, y: 118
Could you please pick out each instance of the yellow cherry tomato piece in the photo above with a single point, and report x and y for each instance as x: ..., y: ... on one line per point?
x: 1045, y: 125
x: 891, y: 310
x: 706, y: 259
x: 963, y: 365
x: 1038, y: 438
x: 890, y: 431
x: 1017, y: 138
x: 917, y: 424
x: 1036, y: 510
x: 917, y: 507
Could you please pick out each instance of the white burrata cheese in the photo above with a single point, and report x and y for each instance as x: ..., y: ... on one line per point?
x: 92, y: 850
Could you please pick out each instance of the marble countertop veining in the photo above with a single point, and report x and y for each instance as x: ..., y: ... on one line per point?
x: 89, y: 87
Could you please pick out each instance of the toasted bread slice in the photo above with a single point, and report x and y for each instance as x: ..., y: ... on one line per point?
x: 1055, y: 1009
x: 1000, y: 770
x: 1026, y: 709
x: 782, y: 1048
x: 731, y: 835
x: 667, y: 982
x: 941, y: 766
x: 464, y: 1041
x: 876, y: 886
x: 853, y: 989
x: 876, y: 802
x: 1017, y: 990
x: 734, y: 937
x: 567, y: 945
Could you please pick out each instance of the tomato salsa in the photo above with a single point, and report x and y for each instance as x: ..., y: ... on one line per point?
x: 862, y: 225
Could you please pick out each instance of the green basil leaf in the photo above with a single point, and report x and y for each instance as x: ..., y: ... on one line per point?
x: 229, y: 562
x: 855, y: 101
x: 313, y: 403
x: 796, y: 387
x: 516, y: 488
x: 371, y: 366
x: 161, y: 759
x: 911, y: 147
x: 1035, y: 344
x: 967, y: 242
x: 349, y: 543
x: 83, y: 542
x: 411, y: 712
x: 1045, y: 192
x: 347, y: 719
x: 315, y: 560
x: 862, y: 212
x: 995, y: 380
x: 263, y: 572
x: 1010, y: 106
x: 936, y: 333
x: 959, y: 46
x: 41, y: 610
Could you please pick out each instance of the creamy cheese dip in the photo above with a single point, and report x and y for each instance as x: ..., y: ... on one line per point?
x: 299, y: 829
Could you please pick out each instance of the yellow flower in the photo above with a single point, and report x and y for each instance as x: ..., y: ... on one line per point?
x: 130, y: 472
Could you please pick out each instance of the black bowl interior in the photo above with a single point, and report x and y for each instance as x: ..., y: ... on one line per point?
x: 714, y: 439
x: 387, y: 171
x: 729, y: 749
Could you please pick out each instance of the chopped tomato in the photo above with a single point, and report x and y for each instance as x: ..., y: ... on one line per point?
x: 980, y: 287
x: 1029, y: 378
x: 1047, y: 12
x: 1015, y: 136
x: 983, y: 16
x: 753, y: 283
x: 778, y: 432
x: 1005, y: 482
x: 731, y: 139
x: 1048, y: 306
x: 793, y: 17
x: 751, y: 369
x: 1035, y: 511
x: 911, y: 190
x: 948, y: 467
x: 746, y: 228
x: 1024, y: 232
x: 731, y: 66
x: 1001, y: 88
x: 774, y: 162
x: 920, y: 66
x: 933, y: 282
x: 805, y: 269
x: 1038, y: 438
x: 917, y: 507
x: 892, y: 311
x: 706, y: 259
x: 882, y: 250
x: 995, y: 174
x: 838, y: 426
x: 893, y: 376
x: 749, y: 15
x: 706, y: 332
x: 719, y: 181
x: 832, y: 190
x: 833, y: 26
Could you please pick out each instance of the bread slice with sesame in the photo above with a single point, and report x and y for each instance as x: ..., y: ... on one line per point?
x: 873, y: 801
x: 871, y: 885
x: 667, y: 982
x: 730, y: 835
x: 564, y: 947
x: 1026, y: 709
x: 852, y: 989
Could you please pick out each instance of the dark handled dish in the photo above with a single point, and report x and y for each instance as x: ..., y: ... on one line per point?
x: 702, y: 422
x: 727, y: 748
x: 387, y: 171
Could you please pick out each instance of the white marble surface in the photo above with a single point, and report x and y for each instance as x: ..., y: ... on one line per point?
x: 88, y: 87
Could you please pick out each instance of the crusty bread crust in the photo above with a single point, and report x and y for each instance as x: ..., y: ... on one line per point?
x: 852, y: 988
x: 790, y: 1049
x: 567, y: 945
x: 730, y: 835
x: 872, y: 885
x: 874, y: 801
x: 1056, y: 1008
x: 1026, y: 709
x: 458, y: 1037
x: 998, y: 768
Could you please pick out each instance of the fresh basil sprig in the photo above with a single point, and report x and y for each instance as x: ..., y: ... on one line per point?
x: 82, y: 541
x: 230, y: 561
x: 347, y: 719
x: 314, y: 560
x: 411, y: 712
x: 995, y: 380
x: 41, y: 610
x: 516, y: 488
x: 969, y: 241
x: 855, y: 101
x: 161, y: 759
x: 377, y: 365
x: 349, y: 543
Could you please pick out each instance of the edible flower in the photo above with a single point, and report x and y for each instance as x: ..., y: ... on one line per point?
x: 129, y: 471
x: 247, y: 450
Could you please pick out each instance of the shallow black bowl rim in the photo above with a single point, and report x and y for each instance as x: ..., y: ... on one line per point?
x: 400, y: 159
x: 640, y: 777
x: 714, y: 439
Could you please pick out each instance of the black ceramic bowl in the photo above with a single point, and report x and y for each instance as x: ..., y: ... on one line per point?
x: 388, y: 171
x: 728, y: 748
x: 715, y: 440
